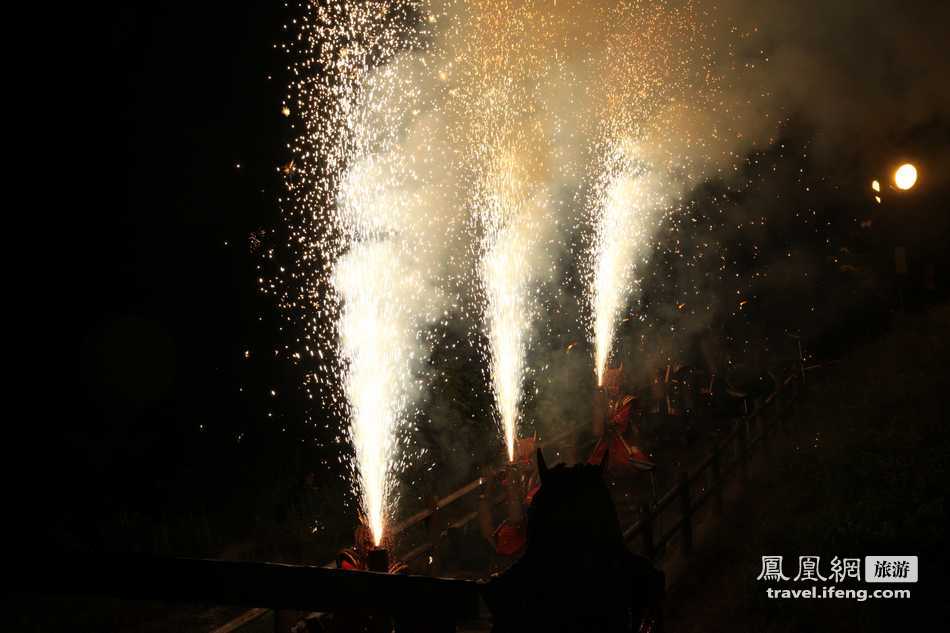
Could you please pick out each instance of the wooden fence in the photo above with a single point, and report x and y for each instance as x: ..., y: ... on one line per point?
x: 662, y: 521
x: 673, y: 515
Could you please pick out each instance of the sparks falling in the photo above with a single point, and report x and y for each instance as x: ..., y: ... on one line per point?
x: 443, y: 148
x: 622, y: 210
x: 644, y: 120
x: 508, y: 331
x: 505, y: 274
x: 378, y: 377
x: 364, y: 292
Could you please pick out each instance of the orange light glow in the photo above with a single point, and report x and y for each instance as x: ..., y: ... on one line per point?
x: 905, y: 177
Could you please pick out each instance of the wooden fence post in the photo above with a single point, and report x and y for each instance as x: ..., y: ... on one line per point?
x: 435, y: 525
x: 687, y: 512
x: 743, y: 437
x: 717, y: 477
x: 764, y: 430
x: 646, y: 520
x: 791, y: 404
x: 781, y: 408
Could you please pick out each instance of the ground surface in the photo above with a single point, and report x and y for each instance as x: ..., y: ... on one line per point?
x: 864, y: 472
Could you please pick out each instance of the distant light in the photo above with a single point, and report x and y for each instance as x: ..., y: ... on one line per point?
x: 875, y: 185
x: 905, y: 177
x: 877, y: 199
x: 285, y: 111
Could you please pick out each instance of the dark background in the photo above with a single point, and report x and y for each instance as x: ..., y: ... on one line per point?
x: 156, y: 161
x: 153, y: 159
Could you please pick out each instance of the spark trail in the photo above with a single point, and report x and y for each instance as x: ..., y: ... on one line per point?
x: 506, y: 275
x: 649, y: 119
x: 441, y: 149
x: 359, y: 254
x: 506, y: 54
x: 623, y: 208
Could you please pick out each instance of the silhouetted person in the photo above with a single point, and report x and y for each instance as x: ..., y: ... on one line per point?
x: 613, y: 419
x: 509, y: 537
x: 576, y: 574
x: 360, y: 558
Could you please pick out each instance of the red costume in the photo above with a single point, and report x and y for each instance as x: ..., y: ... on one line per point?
x: 520, y: 482
x: 510, y: 538
x: 354, y: 558
x: 621, y: 454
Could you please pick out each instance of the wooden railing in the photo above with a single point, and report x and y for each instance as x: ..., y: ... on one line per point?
x: 730, y: 452
x: 441, y: 602
x: 248, y: 619
x: 693, y: 489
x: 270, y: 587
x: 460, y: 496
x: 678, y: 506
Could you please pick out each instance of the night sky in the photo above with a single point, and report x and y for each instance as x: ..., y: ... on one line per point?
x: 165, y: 135
x: 168, y: 135
x: 154, y: 405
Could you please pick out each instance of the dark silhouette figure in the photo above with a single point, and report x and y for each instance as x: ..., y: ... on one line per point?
x: 576, y: 574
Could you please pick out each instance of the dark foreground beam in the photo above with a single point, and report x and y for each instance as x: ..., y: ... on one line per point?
x: 251, y: 584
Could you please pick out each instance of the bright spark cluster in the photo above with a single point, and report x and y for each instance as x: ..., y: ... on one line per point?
x: 652, y: 93
x: 625, y: 205
x: 501, y: 74
x: 507, y: 275
x: 365, y: 296
x: 440, y: 151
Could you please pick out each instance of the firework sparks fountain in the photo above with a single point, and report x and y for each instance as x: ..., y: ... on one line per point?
x: 387, y: 299
x: 376, y: 337
x: 509, y: 208
x: 621, y: 207
x: 504, y: 277
x: 408, y: 113
x: 367, y: 290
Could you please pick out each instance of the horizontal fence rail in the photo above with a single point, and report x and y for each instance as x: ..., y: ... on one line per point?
x: 690, y: 492
x: 242, y: 583
x: 269, y: 587
x: 461, y: 494
x: 707, y: 480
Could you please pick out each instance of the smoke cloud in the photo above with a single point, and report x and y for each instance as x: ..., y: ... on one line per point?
x: 487, y: 125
